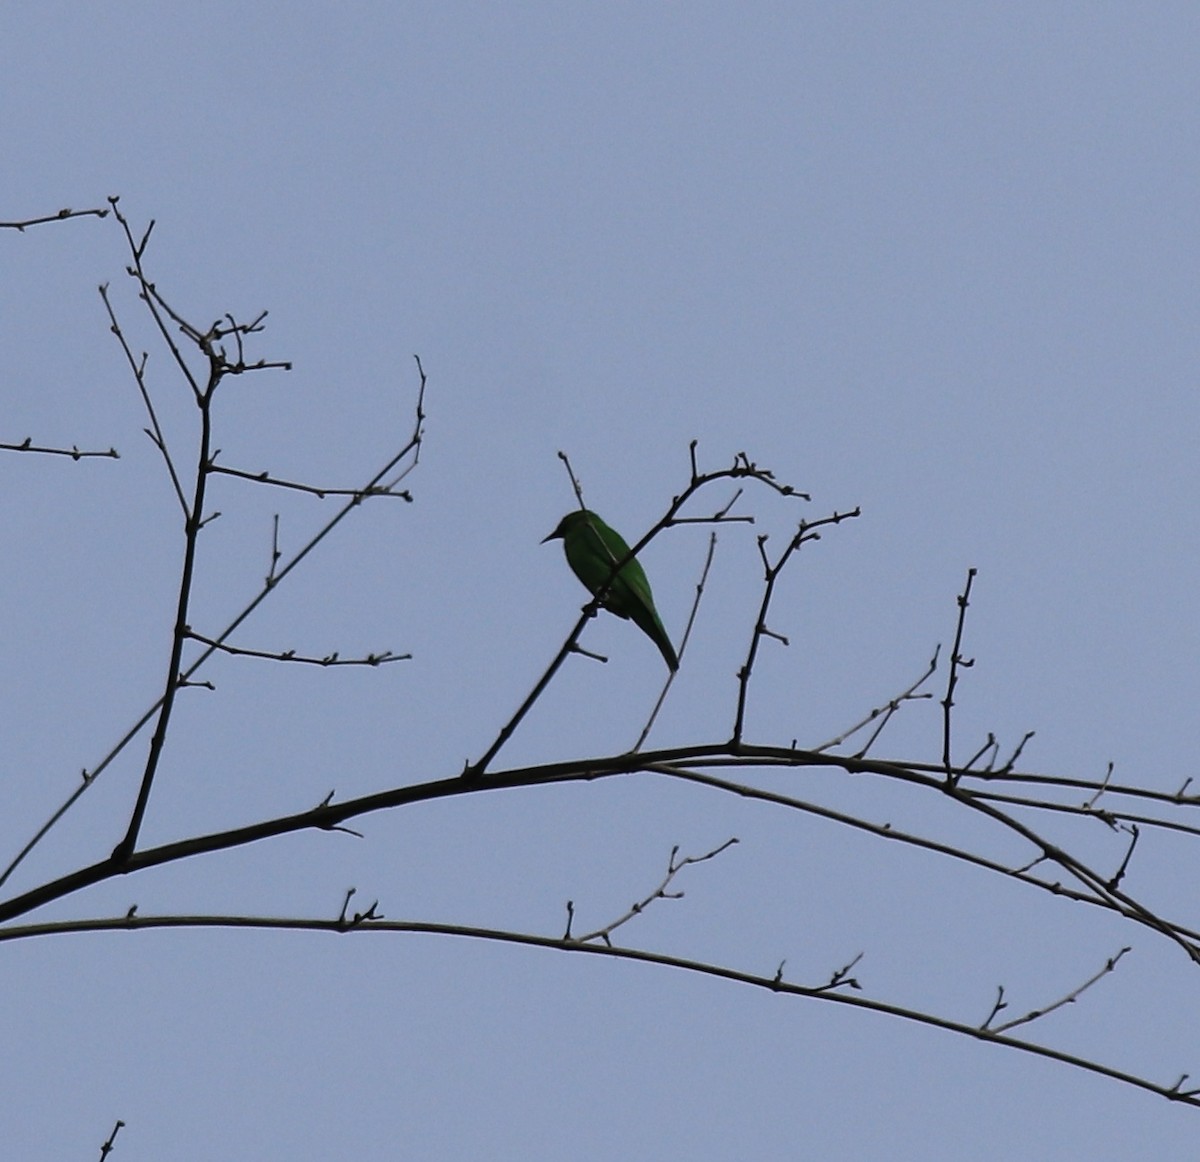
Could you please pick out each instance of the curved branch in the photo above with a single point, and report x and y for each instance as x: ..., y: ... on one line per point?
x: 774, y: 983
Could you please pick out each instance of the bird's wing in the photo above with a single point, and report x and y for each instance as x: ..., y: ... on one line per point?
x: 631, y: 586
x: 593, y: 551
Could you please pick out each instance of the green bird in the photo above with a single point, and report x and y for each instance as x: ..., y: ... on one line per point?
x: 593, y: 550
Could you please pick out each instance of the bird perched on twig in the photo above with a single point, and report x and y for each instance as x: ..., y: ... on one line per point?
x: 593, y: 550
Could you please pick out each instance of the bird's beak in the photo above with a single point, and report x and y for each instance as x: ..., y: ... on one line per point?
x: 551, y: 537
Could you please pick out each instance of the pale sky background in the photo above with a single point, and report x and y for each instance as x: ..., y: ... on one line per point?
x: 937, y: 260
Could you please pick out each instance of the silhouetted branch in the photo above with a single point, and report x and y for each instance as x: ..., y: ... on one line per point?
x: 808, y: 531
x: 1035, y: 1014
x: 60, y: 216
x: 138, y: 367
x: 401, y: 463
x: 320, y: 492
x: 956, y: 660
x: 108, y: 1146
x: 883, y: 714
x: 333, y: 659
x: 829, y: 993
x: 27, y: 445
x: 687, y: 633
x: 659, y: 893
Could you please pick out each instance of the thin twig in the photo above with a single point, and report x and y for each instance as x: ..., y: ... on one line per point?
x: 60, y: 216
x: 575, y: 485
x: 333, y: 659
x: 687, y: 633
x: 956, y: 660
x: 320, y: 492
x: 1035, y: 1014
x: 659, y: 893
x: 108, y: 1146
x: 807, y: 531
x: 1102, y: 788
x: 153, y: 303
x: 886, y: 711
x: 27, y: 445
x: 138, y: 367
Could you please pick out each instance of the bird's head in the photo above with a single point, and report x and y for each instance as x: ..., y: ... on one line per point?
x: 567, y: 523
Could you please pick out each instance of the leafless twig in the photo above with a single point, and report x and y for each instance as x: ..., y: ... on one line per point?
x: 884, y: 713
x: 313, y: 490
x: 27, y: 445
x: 60, y: 216
x: 333, y: 659
x: 687, y: 633
x: 956, y: 660
x: 808, y: 531
x: 108, y: 1146
x: 659, y: 893
x: 1035, y: 1014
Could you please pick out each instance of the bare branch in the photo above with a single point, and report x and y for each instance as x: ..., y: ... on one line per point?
x: 884, y: 713
x: 345, y: 923
x: 333, y: 659
x: 27, y: 445
x: 828, y: 993
x: 1035, y: 1014
x: 841, y: 978
x: 138, y: 367
x: 956, y: 660
x: 687, y: 633
x: 808, y: 531
x: 659, y: 893
x: 108, y: 1146
x: 1022, y: 810
x: 320, y: 492
x: 1102, y: 788
x: 575, y: 485
x: 60, y: 216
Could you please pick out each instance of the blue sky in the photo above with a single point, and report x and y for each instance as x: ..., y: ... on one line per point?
x: 938, y: 261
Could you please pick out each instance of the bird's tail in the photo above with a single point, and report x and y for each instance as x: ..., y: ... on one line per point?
x: 653, y: 628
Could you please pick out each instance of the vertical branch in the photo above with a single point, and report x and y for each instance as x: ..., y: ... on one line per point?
x: 153, y: 301
x: 956, y: 660
x: 575, y: 485
x: 770, y: 573
x: 806, y: 532
x: 192, y: 525
x: 687, y: 633
x: 138, y: 367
